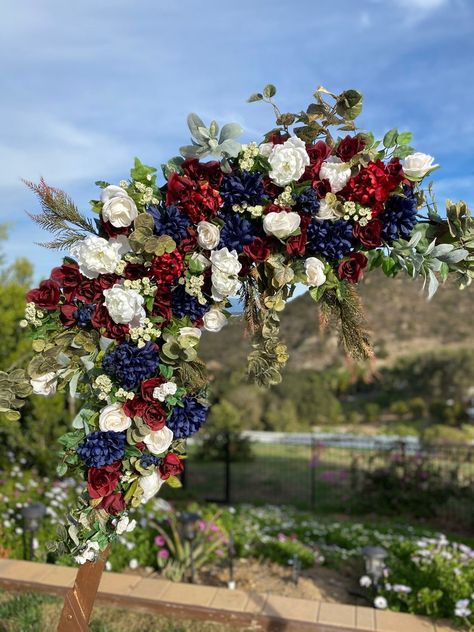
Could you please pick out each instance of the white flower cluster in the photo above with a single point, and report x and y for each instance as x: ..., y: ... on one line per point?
x: 285, y: 198
x: 103, y: 384
x: 144, y: 286
x: 247, y: 157
x: 33, y: 316
x: 89, y: 553
x: 164, y: 390
x: 147, y: 194
x: 357, y: 213
x: 193, y: 285
x: 225, y: 268
x: 121, y: 393
x: 462, y: 609
x: 145, y: 332
x: 255, y: 211
x: 124, y: 525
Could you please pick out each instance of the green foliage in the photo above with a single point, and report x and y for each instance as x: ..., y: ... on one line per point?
x: 282, y: 550
x: 222, y: 432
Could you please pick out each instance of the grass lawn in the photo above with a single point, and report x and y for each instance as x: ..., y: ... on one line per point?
x: 32, y: 612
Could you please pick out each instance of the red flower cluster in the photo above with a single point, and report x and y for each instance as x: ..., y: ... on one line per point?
x: 171, y: 465
x: 369, y: 235
x: 167, y: 268
x: 197, y: 199
x: 373, y: 184
x: 101, y: 481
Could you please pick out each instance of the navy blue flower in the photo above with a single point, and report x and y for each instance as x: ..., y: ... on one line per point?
x: 185, y: 421
x: 83, y: 315
x: 170, y: 221
x: 149, y: 459
x: 240, y: 187
x: 102, y: 448
x: 308, y: 201
x: 237, y: 231
x: 130, y: 365
x: 183, y: 304
x: 399, y: 216
x: 333, y: 240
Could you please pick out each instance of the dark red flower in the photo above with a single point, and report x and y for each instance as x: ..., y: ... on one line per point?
x: 134, y: 271
x: 101, y: 481
x: 349, y: 146
x: 208, y: 171
x: 171, y: 465
x: 135, y: 407
x: 258, y: 250
x: 105, y: 325
x: 296, y: 245
x: 68, y: 277
x: 271, y: 189
x: 148, y: 386
x: 317, y: 155
x: 112, y: 231
x: 369, y: 235
x: 155, y: 416
x: 67, y: 316
x: 106, y: 281
x: 189, y: 243
x: 199, y: 200
x: 46, y: 296
x: 89, y: 291
x: 162, y: 304
x: 373, y: 184
x: 113, y: 504
x: 276, y: 138
x: 352, y: 269
x: 168, y: 267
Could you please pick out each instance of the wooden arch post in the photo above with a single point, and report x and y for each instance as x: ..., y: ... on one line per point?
x: 80, y: 599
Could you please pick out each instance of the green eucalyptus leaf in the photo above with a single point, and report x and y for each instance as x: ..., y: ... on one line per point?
x: 269, y: 91
x: 257, y: 96
x: 404, y: 138
x: 390, y: 138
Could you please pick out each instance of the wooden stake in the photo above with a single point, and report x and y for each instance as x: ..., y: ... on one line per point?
x: 79, y: 600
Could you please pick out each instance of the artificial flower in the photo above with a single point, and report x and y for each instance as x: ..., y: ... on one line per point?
x: 159, y: 441
x: 125, y: 306
x: 208, y: 235
x: 96, y: 255
x: 214, y: 320
x: 336, y: 172
x: 288, y: 161
x: 418, y: 165
x: 314, y: 270
x: 282, y: 224
x: 113, y: 418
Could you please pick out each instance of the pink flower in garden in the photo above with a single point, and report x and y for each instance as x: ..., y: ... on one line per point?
x: 202, y: 525
x: 281, y: 537
x: 164, y: 553
x: 159, y: 540
x: 220, y: 553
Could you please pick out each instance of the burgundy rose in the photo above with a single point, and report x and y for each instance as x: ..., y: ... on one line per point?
x: 188, y: 244
x: 162, y: 304
x: 258, y: 250
x: 89, y: 291
x: 317, y: 155
x: 171, y: 465
x: 208, y: 171
x: 271, y: 189
x: 101, y: 481
x: 349, y: 146
x: 46, y: 296
x: 276, y: 138
x: 113, y: 504
x: 369, y: 235
x: 113, y: 231
x: 155, y: 416
x: 67, y: 314
x: 104, y: 324
x: 135, y: 407
x: 134, y: 271
x: 179, y: 189
x: 373, y: 184
x: 352, y: 269
x: 106, y: 281
x: 296, y: 245
x: 148, y: 386
x: 68, y: 277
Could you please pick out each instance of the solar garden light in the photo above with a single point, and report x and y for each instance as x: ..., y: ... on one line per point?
x: 295, y: 563
x: 188, y: 526
x: 374, y: 557
x: 32, y: 517
x: 231, y: 556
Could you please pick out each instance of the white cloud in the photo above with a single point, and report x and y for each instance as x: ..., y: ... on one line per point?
x: 422, y: 5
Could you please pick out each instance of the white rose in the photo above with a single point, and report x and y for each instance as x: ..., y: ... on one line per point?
x: 224, y: 285
x: 96, y: 256
x: 225, y: 261
x: 150, y: 485
x: 189, y: 337
x: 214, y: 320
x: 112, y: 191
x: 265, y: 149
x: 158, y: 441
x: 314, y: 269
x: 336, y: 171
x: 120, y: 211
x: 417, y: 165
x: 208, y: 235
x: 113, y: 419
x: 125, y: 305
x: 288, y: 161
x: 281, y: 224
x: 45, y: 384
x: 327, y: 212
x: 125, y: 525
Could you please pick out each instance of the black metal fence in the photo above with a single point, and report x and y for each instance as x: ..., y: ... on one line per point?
x: 334, y: 473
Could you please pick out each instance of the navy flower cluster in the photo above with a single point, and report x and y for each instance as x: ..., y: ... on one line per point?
x: 131, y: 365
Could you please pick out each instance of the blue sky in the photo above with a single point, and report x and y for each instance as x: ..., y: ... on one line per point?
x: 86, y: 86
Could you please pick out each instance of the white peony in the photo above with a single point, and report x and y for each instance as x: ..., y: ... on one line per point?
x: 125, y: 305
x: 158, y: 441
x: 224, y: 285
x: 96, y: 256
x: 208, y: 235
x: 225, y: 261
x: 161, y: 392
x: 125, y: 525
x: 417, y: 165
x: 113, y: 419
x: 112, y: 191
x: 214, y: 320
x: 120, y: 211
x: 327, y: 212
x: 288, y: 161
x: 314, y: 269
x: 150, y: 485
x: 281, y: 224
x: 45, y: 384
x: 336, y: 171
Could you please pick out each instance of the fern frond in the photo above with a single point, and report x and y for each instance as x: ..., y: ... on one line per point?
x: 250, y: 296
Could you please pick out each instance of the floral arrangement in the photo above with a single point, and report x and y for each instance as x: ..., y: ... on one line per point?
x: 119, y: 321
